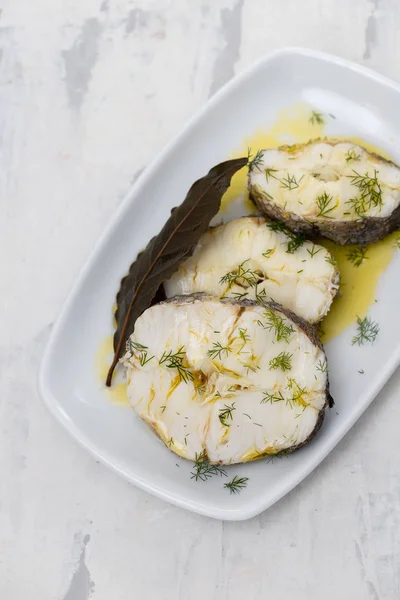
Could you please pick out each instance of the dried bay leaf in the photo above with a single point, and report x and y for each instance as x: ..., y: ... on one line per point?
x: 167, y: 250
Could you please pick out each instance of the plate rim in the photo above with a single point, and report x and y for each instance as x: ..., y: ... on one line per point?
x: 258, y: 505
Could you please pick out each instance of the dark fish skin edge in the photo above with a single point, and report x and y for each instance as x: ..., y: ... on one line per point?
x: 360, y: 231
x: 306, y: 327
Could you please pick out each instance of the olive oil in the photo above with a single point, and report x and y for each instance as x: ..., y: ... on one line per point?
x: 358, y: 284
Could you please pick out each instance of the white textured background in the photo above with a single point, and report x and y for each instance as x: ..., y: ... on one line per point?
x: 90, y: 90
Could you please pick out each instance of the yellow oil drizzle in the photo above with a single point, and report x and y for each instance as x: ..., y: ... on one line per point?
x: 358, y: 284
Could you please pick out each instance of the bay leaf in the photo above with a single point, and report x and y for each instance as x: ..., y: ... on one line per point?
x: 167, y: 250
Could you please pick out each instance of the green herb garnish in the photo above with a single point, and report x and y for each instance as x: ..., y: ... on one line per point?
x: 217, y: 350
x: 241, y: 275
x: 277, y: 324
x: 290, y: 182
x: 283, y: 361
x: 142, y: 350
x: 316, y: 118
x: 176, y: 361
x: 352, y: 155
x: 237, y: 484
x: 367, y: 332
x: 370, y: 192
x: 357, y: 256
x: 203, y: 470
x: 226, y: 414
x: 324, y: 203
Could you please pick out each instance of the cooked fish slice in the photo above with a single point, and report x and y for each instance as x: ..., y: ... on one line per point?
x: 234, y: 379
x: 248, y: 258
x: 329, y: 187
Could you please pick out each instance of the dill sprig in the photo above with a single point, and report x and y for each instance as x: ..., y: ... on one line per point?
x: 142, y: 350
x: 237, y: 484
x: 324, y: 205
x: 241, y: 275
x: 277, y: 324
x: 357, y: 256
x: 239, y: 296
x: 175, y: 361
x: 261, y: 296
x: 322, y: 366
x: 370, y: 192
x: 255, y: 162
x: 314, y: 250
x: 290, y: 182
x: 218, y: 350
x: 332, y: 260
x: 295, y: 241
x: 268, y: 252
x: 272, y: 398
x: 352, y: 155
x: 270, y: 173
x: 226, y: 414
x: 298, y: 393
x: 283, y: 361
x: 203, y: 470
x: 316, y: 118
x: 244, y: 337
x: 367, y: 332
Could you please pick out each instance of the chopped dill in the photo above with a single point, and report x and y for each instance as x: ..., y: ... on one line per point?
x: 290, y: 182
x: 261, y: 297
x: 255, y: 162
x: 332, y: 260
x: 277, y: 324
x: 268, y: 252
x: 357, y: 256
x: 352, y: 155
x: 322, y: 366
x: 370, y: 192
x: 270, y: 173
x: 295, y: 242
x: 143, y: 355
x: 170, y: 442
x: 241, y: 275
x: 313, y: 250
x: 226, y: 414
x: 239, y: 296
x: 298, y: 393
x: 218, y: 350
x: 316, y: 118
x: 237, y: 484
x: 203, y: 470
x: 324, y: 205
x: 272, y: 398
x: 367, y: 332
x: 244, y: 337
x: 283, y: 361
x: 361, y: 371
x: 175, y: 361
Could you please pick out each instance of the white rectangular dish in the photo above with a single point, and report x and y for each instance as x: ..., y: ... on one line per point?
x: 364, y: 104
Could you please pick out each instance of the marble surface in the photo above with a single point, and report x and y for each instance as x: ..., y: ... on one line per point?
x: 90, y: 92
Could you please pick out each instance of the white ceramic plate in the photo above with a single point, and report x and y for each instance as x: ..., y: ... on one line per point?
x: 364, y: 104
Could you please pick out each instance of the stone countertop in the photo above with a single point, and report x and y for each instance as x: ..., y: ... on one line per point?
x: 91, y: 90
